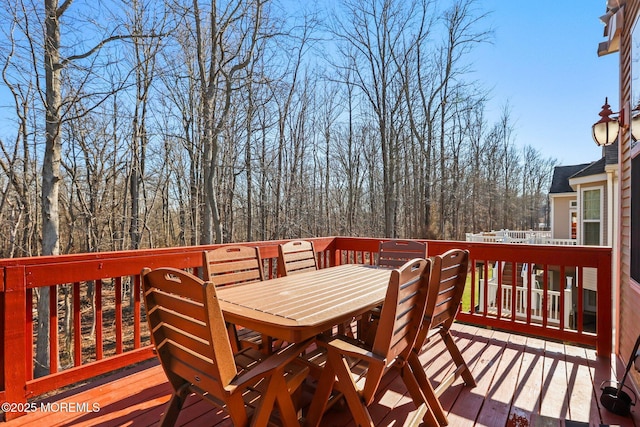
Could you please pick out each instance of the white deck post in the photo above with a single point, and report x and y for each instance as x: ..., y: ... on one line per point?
x: 568, y: 292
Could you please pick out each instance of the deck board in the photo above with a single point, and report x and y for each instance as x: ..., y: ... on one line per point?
x: 526, y: 399
x: 521, y: 381
x: 553, y: 394
x: 580, y: 379
x: 502, y: 371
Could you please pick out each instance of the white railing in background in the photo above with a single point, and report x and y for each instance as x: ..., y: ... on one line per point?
x: 530, y: 237
x: 537, y: 295
x: 521, y: 299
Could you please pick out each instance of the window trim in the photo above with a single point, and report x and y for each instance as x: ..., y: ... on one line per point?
x: 600, y: 221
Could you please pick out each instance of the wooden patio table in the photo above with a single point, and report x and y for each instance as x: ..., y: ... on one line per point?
x: 298, y: 307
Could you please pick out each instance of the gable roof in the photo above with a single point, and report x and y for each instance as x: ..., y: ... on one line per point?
x: 594, y: 168
x: 561, y: 175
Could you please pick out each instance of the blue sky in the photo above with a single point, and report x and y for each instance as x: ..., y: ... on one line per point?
x: 544, y: 63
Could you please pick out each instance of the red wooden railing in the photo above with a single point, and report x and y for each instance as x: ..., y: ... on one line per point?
x: 120, y: 338
x: 561, y: 259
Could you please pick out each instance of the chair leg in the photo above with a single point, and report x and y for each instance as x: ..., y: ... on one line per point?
x: 348, y: 388
x: 427, y: 390
x: 237, y: 410
x: 174, y: 406
x: 458, y: 359
x: 417, y: 396
x: 276, y: 393
x: 288, y: 411
x: 264, y: 408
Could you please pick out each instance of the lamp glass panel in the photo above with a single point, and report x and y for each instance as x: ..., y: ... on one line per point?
x: 605, y: 133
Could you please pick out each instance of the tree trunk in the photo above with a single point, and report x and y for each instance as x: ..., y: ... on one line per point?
x: 50, y: 175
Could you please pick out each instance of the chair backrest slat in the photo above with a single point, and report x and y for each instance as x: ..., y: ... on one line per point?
x: 448, y: 280
x: 394, y: 253
x: 297, y: 256
x: 171, y: 320
x: 232, y: 265
x: 181, y: 305
x: 188, y: 365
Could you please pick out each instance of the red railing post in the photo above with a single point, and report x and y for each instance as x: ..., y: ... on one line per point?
x: 604, y: 307
x: 2, y: 326
x: 337, y: 257
x: 14, y: 336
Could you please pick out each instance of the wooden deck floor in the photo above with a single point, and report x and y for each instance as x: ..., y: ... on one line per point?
x: 521, y: 382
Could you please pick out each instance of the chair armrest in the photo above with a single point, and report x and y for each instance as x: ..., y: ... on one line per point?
x: 270, y: 365
x: 353, y: 348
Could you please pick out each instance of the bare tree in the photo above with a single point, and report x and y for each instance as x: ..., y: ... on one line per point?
x: 145, y: 53
x: 16, y: 161
x: 54, y: 63
x: 225, y: 43
x: 371, y: 38
x: 181, y: 106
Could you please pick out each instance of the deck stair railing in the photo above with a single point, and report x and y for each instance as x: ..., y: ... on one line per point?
x: 98, y: 294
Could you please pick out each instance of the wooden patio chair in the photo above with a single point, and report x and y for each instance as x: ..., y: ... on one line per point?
x: 295, y: 257
x: 391, y: 254
x: 229, y: 265
x: 355, y: 369
x: 446, y: 286
x: 188, y: 331
x: 394, y: 253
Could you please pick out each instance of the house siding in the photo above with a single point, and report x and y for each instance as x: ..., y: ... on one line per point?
x: 629, y: 294
x: 561, y: 219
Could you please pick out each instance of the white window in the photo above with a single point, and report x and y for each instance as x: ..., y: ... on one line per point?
x: 592, y: 217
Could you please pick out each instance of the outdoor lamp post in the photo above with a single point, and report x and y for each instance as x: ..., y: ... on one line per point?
x: 605, y: 130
